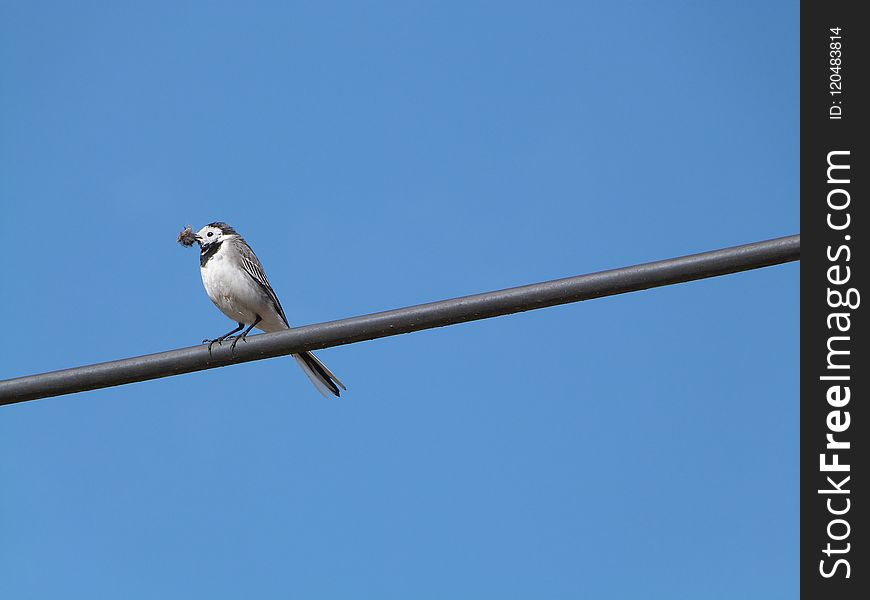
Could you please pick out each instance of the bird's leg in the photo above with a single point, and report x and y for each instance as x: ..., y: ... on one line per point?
x: 242, y: 337
x: 223, y: 337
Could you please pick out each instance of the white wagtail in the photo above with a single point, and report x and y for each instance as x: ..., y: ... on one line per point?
x: 235, y: 281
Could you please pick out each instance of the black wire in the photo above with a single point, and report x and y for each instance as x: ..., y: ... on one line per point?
x: 405, y: 320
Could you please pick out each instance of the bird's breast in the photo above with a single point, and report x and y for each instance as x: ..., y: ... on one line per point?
x: 232, y: 291
x: 220, y: 281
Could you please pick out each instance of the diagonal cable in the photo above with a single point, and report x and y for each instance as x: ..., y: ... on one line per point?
x: 406, y: 320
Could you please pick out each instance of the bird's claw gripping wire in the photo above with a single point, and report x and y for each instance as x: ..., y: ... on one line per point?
x: 244, y: 335
x: 212, y: 343
x: 219, y: 340
x: 237, y: 338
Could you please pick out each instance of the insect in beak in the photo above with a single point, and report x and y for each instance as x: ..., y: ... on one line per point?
x: 186, y: 238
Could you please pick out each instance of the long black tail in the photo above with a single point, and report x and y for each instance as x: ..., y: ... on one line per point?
x: 323, y: 379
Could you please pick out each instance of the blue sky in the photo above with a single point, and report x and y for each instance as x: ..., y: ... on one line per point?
x: 378, y: 155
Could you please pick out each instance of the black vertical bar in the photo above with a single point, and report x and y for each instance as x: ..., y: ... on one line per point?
x: 834, y: 370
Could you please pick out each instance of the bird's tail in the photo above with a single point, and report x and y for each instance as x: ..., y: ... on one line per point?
x: 323, y: 379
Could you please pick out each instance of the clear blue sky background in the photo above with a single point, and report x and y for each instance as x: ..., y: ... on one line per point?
x: 378, y: 155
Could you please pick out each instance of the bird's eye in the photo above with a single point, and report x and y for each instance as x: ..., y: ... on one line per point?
x: 210, y: 233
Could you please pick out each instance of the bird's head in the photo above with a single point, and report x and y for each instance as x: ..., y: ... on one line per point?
x: 214, y: 233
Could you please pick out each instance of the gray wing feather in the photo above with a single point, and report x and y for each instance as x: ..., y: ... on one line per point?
x: 324, y: 379
x: 251, y: 265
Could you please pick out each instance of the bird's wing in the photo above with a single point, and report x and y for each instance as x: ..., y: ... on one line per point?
x: 251, y: 265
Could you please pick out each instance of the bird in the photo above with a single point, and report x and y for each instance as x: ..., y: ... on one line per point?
x: 235, y: 281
